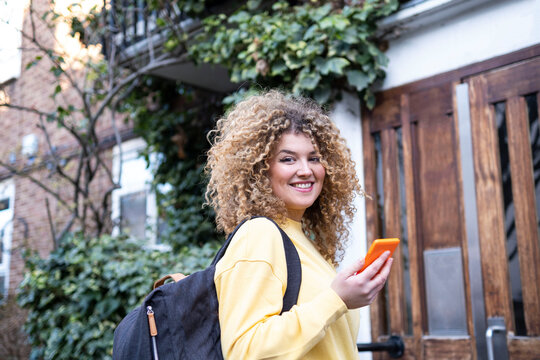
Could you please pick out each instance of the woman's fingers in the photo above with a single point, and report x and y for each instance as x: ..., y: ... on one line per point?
x: 361, y: 290
x: 376, y: 266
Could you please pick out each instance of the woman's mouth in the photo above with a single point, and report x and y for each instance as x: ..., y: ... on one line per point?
x: 302, y: 185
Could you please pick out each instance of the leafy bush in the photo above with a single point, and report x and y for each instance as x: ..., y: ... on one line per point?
x: 78, y: 295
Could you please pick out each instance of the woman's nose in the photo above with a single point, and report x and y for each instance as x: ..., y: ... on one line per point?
x: 304, y: 169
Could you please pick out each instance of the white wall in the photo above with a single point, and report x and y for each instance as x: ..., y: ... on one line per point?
x: 11, y: 16
x: 447, y: 38
x: 490, y: 29
x: 346, y: 115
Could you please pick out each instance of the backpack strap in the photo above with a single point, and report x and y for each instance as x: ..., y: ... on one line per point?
x: 175, y: 277
x: 294, y: 268
x: 294, y: 272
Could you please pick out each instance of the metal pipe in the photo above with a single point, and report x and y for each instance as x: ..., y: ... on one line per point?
x: 489, y: 339
x: 471, y: 217
x: 394, y: 346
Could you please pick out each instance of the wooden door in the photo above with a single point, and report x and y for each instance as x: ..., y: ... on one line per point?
x: 441, y: 295
x: 412, y: 172
x: 505, y: 133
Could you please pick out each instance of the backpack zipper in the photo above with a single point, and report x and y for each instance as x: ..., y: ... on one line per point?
x: 153, y: 330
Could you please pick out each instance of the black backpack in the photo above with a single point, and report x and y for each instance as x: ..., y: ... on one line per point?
x: 184, y: 315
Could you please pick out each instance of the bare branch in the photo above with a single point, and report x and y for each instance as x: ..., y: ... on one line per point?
x: 24, y: 174
x: 32, y: 22
x: 51, y: 225
x: 71, y: 129
x: 50, y: 55
x: 67, y: 228
x: 131, y: 77
x: 78, y: 175
x: 54, y: 155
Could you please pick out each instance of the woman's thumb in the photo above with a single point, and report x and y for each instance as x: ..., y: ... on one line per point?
x: 353, y: 268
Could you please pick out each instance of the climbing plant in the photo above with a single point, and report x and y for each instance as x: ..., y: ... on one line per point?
x: 310, y: 49
x: 174, y: 119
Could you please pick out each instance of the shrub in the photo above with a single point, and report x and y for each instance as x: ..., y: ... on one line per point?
x: 78, y: 295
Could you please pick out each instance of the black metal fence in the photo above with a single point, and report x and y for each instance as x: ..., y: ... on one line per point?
x: 132, y: 21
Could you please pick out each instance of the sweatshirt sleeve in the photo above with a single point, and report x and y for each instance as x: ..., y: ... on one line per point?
x: 250, y: 287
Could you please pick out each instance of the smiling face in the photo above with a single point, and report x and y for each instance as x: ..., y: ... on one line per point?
x: 296, y: 173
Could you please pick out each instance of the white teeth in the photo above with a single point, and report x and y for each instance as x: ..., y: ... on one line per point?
x: 303, y: 185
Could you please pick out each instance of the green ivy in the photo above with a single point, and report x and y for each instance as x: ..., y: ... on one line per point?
x: 311, y: 50
x: 174, y: 121
x: 78, y: 295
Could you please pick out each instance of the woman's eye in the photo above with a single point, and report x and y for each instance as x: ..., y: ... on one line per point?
x: 315, y: 159
x: 286, y: 159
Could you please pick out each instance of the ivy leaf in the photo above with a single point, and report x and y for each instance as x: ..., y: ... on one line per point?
x: 292, y: 62
x: 171, y: 44
x: 280, y: 5
x: 334, y: 65
x: 369, y: 98
x: 308, y: 80
x: 357, y: 79
x: 322, y: 94
x: 160, y: 22
x: 236, y: 75
x: 278, y: 68
x: 240, y: 17
x: 351, y: 36
x: 57, y: 90
x: 253, y: 4
x: 34, y: 62
x: 250, y: 73
x: 321, y: 12
x: 310, y: 32
x: 338, y: 22
x: 56, y: 70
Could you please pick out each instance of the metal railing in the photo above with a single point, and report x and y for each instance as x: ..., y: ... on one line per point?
x: 132, y: 21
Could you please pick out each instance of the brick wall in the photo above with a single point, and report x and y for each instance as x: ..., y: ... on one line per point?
x: 33, y: 89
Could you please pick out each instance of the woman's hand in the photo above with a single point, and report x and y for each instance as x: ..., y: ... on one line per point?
x: 357, y: 290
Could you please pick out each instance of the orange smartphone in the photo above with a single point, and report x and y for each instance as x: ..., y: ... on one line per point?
x: 377, y: 248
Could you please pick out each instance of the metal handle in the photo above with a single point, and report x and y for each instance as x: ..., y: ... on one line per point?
x: 394, y: 346
x: 489, y: 338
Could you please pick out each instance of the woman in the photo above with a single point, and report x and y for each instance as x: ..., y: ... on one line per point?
x: 283, y: 158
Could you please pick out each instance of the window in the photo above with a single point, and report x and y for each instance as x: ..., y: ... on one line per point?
x: 7, y: 192
x: 134, y: 210
x: 11, y: 16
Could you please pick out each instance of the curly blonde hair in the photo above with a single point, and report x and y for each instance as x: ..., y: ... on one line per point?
x: 238, y: 163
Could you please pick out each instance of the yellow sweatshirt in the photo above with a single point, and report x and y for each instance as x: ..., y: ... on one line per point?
x: 250, y: 282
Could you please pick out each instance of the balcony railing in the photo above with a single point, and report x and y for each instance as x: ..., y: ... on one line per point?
x: 132, y: 22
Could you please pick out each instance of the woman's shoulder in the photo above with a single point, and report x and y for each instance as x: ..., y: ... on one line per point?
x: 257, y: 238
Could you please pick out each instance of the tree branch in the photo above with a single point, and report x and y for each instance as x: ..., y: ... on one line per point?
x: 51, y: 225
x: 66, y: 228
x: 23, y: 174
x: 127, y: 80
x: 54, y: 155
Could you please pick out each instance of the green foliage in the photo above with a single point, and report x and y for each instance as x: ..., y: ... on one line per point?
x: 306, y: 49
x: 78, y: 295
x: 174, y: 121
